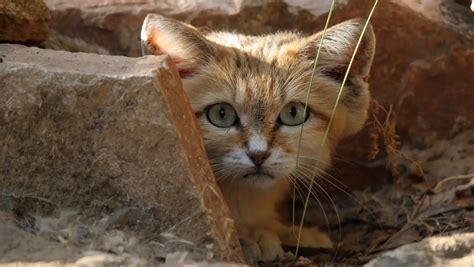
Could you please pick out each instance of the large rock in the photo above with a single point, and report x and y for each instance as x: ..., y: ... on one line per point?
x: 112, y: 140
x: 413, y: 41
x: 456, y: 250
x: 437, y: 93
x: 25, y: 21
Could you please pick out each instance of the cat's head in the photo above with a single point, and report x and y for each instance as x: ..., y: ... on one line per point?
x: 249, y: 92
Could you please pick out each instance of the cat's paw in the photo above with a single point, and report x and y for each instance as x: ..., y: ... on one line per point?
x: 309, y: 238
x: 314, y: 238
x: 251, y: 250
x: 270, y: 246
x: 264, y: 246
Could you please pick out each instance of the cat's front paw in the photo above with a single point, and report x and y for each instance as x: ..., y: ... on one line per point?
x: 309, y: 238
x: 270, y: 246
x: 251, y: 250
x: 314, y: 238
x: 264, y: 246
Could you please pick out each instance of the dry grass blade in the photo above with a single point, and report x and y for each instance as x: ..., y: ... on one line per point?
x: 316, y: 60
x: 441, y: 184
x: 326, y: 134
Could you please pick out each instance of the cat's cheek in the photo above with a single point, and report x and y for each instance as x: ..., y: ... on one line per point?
x: 218, y: 142
x: 280, y: 164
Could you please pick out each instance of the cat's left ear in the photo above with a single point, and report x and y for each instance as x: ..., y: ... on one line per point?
x: 338, y: 46
x: 186, y: 46
x: 337, y: 49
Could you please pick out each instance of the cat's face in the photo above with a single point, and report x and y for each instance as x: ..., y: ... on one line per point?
x: 249, y: 95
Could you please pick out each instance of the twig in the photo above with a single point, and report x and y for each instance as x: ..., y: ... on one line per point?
x: 451, y: 178
x: 29, y: 196
x: 187, y: 219
x: 405, y: 228
x: 451, y: 208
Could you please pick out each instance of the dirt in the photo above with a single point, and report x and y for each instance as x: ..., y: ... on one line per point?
x: 432, y: 195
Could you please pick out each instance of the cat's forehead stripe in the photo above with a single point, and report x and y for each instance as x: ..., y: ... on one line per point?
x: 259, y: 113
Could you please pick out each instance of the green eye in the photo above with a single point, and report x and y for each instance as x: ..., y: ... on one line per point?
x: 293, y: 114
x: 222, y: 115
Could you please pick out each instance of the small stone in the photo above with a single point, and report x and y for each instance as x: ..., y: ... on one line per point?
x: 303, y: 261
x: 82, y: 232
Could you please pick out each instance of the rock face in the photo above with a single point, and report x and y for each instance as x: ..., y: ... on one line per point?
x: 114, y: 140
x: 417, y: 45
x: 25, y: 21
x: 436, y: 93
x: 456, y: 250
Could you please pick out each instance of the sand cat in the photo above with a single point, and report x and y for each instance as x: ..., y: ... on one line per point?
x: 248, y: 93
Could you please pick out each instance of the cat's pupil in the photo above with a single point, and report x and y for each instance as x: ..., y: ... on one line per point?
x: 222, y: 113
x: 293, y: 111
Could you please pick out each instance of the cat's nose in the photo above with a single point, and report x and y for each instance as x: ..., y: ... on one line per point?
x: 258, y: 157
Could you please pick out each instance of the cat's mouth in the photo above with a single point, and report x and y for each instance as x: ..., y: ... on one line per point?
x: 259, y: 173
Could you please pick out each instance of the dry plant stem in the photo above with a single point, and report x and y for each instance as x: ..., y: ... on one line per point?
x: 29, y: 196
x: 416, y: 164
x: 427, y: 215
x: 323, y: 141
x: 421, y: 218
x: 451, y: 178
x: 391, y: 140
x: 405, y: 228
x: 387, y: 130
x: 436, y: 189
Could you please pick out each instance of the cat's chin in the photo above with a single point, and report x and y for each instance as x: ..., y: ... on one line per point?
x: 259, y: 179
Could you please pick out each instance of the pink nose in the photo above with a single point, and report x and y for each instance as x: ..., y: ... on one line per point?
x: 259, y: 157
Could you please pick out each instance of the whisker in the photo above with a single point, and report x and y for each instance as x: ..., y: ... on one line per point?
x: 335, y: 210
x: 319, y: 203
x: 326, y: 178
x: 306, y: 164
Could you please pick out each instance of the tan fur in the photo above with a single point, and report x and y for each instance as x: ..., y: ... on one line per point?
x: 258, y: 76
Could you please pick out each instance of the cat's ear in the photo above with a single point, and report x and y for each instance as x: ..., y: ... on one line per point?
x: 337, y: 49
x: 186, y: 46
x: 336, y: 52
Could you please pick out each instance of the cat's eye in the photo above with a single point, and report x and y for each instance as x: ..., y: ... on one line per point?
x: 222, y: 115
x: 293, y: 114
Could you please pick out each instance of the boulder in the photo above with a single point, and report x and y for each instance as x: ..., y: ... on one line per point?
x: 104, y: 152
x: 455, y: 250
x: 24, y: 21
x: 435, y: 94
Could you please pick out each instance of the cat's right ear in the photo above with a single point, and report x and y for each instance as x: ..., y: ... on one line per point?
x: 185, y: 45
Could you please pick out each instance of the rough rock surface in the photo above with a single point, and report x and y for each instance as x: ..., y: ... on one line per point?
x: 417, y: 44
x: 24, y: 21
x: 456, y: 250
x: 104, y: 152
x: 436, y: 93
